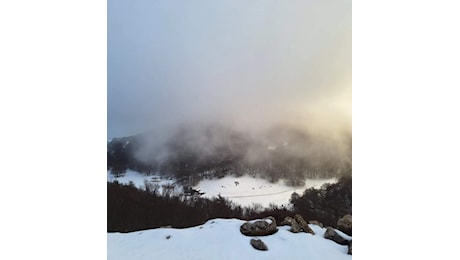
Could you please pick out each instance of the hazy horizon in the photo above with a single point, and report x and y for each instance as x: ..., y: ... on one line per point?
x: 246, y: 64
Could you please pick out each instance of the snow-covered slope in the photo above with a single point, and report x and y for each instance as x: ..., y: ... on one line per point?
x: 248, y: 190
x: 221, y: 239
x: 130, y: 176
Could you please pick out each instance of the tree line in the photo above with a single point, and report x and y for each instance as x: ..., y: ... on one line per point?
x: 131, y: 209
x: 184, y: 161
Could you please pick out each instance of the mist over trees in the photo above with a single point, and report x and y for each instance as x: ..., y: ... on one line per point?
x: 216, y: 151
x: 191, y: 153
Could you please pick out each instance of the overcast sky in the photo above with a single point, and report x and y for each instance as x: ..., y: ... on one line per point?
x: 243, y: 62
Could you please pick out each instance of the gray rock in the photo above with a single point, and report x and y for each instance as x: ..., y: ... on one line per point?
x: 349, y: 248
x: 334, y: 236
x: 259, y: 228
x: 287, y: 221
x: 316, y: 222
x: 303, y: 224
x: 258, y: 244
x: 295, y: 227
x: 344, y: 224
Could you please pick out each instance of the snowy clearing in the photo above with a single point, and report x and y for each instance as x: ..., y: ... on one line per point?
x: 221, y: 239
x: 244, y: 190
x: 139, y: 178
x: 248, y: 190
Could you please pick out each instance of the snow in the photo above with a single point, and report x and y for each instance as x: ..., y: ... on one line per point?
x: 138, y: 180
x: 130, y: 175
x: 247, y: 190
x: 269, y: 221
x: 221, y: 239
x: 244, y: 190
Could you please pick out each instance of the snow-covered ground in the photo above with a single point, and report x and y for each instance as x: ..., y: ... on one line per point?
x: 244, y: 190
x: 221, y: 239
x: 248, y: 190
x: 138, y: 180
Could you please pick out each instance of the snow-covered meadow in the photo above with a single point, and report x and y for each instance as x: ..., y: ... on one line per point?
x: 221, y: 239
x: 138, y: 179
x: 245, y: 190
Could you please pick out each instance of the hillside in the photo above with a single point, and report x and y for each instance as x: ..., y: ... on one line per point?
x: 221, y: 239
x: 211, y: 151
x: 130, y: 208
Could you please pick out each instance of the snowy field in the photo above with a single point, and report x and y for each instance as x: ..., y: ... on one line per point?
x: 248, y: 190
x: 244, y: 190
x: 221, y: 239
x: 139, y: 178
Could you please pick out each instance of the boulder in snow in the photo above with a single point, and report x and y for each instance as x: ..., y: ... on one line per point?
x: 349, y: 248
x: 287, y: 221
x: 303, y: 224
x: 259, y: 244
x: 295, y: 227
x: 334, y: 236
x: 297, y: 224
x: 344, y: 224
x: 316, y: 222
x: 260, y: 227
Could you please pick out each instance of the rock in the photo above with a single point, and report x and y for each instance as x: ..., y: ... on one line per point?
x: 349, y: 248
x: 344, y: 224
x: 259, y: 227
x: 303, y: 224
x: 334, y: 236
x: 287, y: 221
x: 258, y: 244
x: 295, y: 227
x: 316, y: 222
x: 297, y: 224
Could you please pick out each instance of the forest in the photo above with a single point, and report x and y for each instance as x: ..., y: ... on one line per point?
x: 211, y: 152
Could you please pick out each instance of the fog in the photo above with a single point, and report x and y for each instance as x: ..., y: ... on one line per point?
x: 248, y: 66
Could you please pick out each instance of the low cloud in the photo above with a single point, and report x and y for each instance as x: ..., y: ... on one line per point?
x: 248, y: 66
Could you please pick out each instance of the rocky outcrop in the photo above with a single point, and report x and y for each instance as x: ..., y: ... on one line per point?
x: 298, y: 224
x: 263, y: 227
x: 349, y: 248
x: 344, y: 224
x: 303, y: 224
x: 334, y: 236
x: 258, y: 244
x: 295, y: 227
x: 287, y: 221
x: 316, y: 222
